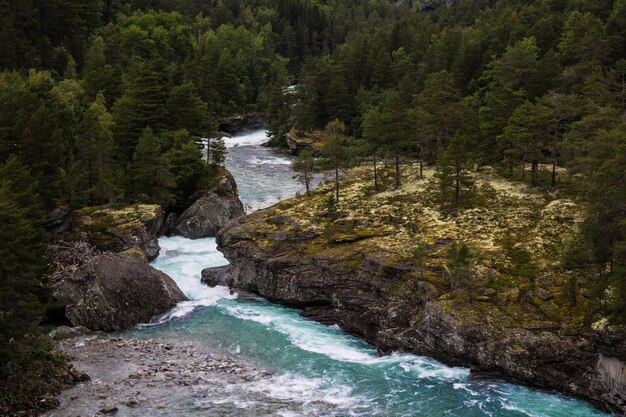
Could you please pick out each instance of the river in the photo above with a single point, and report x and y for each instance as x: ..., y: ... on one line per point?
x: 317, y: 370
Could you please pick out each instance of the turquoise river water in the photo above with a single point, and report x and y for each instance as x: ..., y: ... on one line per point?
x: 316, y: 370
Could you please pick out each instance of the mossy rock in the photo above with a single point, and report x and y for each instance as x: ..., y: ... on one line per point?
x: 118, y: 228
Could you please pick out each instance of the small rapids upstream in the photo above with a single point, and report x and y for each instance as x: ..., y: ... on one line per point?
x: 316, y: 370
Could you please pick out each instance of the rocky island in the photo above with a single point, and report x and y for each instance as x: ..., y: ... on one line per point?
x: 386, y: 266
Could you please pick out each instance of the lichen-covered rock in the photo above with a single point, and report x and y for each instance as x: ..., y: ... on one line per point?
x: 211, y: 210
x: 297, y: 144
x: 112, y: 292
x: 378, y: 267
x: 117, y: 229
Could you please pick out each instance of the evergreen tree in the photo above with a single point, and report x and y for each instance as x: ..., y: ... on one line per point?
x: 441, y: 101
x: 188, y: 111
x: 143, y: 104
x: 606, y: 227
x: 531, y: 129
x: 422, y: 128
x: 583, y: 45
x: 396, y: 129
x: 304, y: 164
x: 96, y: 150
x: 25, y: 358
x: 97, y: 73
x: 335, y: 150
x: 373, y: 134
x: 185, y: 160
x: 453, y: 167
x: 216, y: 152
x: 149, y: 173
x: 280, y: 103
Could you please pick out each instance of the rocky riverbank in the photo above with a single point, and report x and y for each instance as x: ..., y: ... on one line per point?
x: 137, y: 377
x: 379, y: 265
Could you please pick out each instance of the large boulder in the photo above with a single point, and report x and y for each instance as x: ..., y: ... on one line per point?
x: 117, y: 229
x: 211, y: 210
x: 112, y: 292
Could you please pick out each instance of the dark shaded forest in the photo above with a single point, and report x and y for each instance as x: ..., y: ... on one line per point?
x: 103, y: 102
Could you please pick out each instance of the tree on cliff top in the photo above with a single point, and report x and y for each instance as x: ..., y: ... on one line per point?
x: 335, y: 152
x: 304, y: 164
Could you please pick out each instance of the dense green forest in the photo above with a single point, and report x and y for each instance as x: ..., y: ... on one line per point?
x: 103, y: 102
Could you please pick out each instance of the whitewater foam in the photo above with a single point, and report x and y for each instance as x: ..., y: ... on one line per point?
x: 255, y: 138
x: 336, y: 345
x: 183, y: 260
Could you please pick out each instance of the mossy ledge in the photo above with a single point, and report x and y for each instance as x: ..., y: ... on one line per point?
x: 115, y: 229
x: 520, y: 315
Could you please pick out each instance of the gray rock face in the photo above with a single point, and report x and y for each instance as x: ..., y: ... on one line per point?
x: 114, y: 292
x: 210, y: 211
x: 611, y: 344
x: 376, y: 302
x: 58, y: 222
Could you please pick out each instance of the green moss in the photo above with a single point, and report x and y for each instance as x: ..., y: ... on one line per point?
x: 107, y: 226
x: 515, y: 231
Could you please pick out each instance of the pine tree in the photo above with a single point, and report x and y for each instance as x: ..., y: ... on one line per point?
x: 185, y: 160
x: 150, y: 176
x: 304, y: 164
x: 441, y: 101
x: 216, y: 152
x: 97, y: 74
x: 396, y: 129
x: 530, y: 130
x: 423, y: 128
x: 280, y: 102
x: 143, y: 104
x: 373, y: 135
x: 188, y: 111
x: 606, y: 227
x: 453, y: 167
x: 335, y: 150
x: 96, y: 150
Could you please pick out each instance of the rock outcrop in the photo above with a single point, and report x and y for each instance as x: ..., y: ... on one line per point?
x: 58, y: 222
x: 378, y: 267
x: 610, y: 342
x: 297, y: 144
x: 117, y: 229
x: 112, y: 292
x: 243, y: 123
x: 210, y: 210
